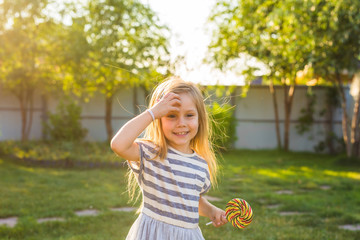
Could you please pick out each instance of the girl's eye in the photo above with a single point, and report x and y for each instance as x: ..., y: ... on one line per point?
x: 171, y: 116
x: 190, y: 115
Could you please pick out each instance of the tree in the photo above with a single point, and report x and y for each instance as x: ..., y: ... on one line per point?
x: 274, y: 32
x: 24, y: 31
x: 123, y: 42
x: 335, y: 57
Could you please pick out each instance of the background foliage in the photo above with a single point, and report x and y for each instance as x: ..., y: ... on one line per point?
x: 223, y: 125
x: 65, y: 125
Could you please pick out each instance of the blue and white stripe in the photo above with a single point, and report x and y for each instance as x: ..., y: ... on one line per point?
x: 171, y: 188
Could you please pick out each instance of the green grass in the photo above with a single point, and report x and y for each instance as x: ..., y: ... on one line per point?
x: 255, y: 176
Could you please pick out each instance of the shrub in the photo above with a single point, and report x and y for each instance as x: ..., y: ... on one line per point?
x: 6, y: 147
x: 65, y: 125
x: 54, y: 151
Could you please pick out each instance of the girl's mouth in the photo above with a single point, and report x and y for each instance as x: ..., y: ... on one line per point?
x: 181, y: 133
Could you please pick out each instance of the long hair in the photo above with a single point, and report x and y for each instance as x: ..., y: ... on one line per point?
x: 201, y: 142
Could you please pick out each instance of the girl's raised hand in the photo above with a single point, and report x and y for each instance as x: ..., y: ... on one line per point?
x: 170, y: 102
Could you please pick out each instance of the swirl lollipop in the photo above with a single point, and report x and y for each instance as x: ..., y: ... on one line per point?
x: 238, y: 213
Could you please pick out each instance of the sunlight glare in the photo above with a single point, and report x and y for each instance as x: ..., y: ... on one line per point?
x: 352, y: 175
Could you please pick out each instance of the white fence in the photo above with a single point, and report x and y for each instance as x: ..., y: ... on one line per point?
x: 256, y: 125
x: 254, y: 115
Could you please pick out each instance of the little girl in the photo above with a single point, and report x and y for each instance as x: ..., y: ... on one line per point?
x: 174, y: 163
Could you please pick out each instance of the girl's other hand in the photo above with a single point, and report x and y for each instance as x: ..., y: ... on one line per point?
x: 170, y: 102
x: 219, y: 217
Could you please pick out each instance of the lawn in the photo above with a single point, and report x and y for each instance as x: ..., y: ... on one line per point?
x: 293, y: 196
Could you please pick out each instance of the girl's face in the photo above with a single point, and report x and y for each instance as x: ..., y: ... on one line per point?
x: 181, y: 126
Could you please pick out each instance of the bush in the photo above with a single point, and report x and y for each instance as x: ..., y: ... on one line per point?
x: 65, y: 125
x: 54, y: 151
x: 6, y: 147
x: 223, y: 125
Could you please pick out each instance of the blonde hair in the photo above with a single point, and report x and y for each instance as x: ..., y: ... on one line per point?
x: 200, y: 143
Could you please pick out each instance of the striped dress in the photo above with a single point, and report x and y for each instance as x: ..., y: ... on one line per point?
x: 171, y: 190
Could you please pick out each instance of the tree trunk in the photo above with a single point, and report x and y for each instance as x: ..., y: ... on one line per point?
x: 276, y: 112
x: 329, y: 125
x: 108, y: 115
x: 44, y: 115
x: 25, y: 95
x: 345, y: 118
x: 23, y: 116
x: 288, y: 99
x: 30, y: 111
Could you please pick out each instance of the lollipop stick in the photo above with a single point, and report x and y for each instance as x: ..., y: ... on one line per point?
x: 208, y: 223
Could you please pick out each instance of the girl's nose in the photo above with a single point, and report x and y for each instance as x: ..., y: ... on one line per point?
x: 181, y: 121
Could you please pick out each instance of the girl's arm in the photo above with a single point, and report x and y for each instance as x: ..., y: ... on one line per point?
x: 216, y: 215
x: 123, y: 143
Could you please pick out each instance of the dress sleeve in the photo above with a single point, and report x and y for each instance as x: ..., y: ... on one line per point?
x: 207, y: 184
x: 147, y: 152
x: 137, y: 166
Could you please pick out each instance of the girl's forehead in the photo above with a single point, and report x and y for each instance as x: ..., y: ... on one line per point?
x: 187, y: 96
x: 187, y: 101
